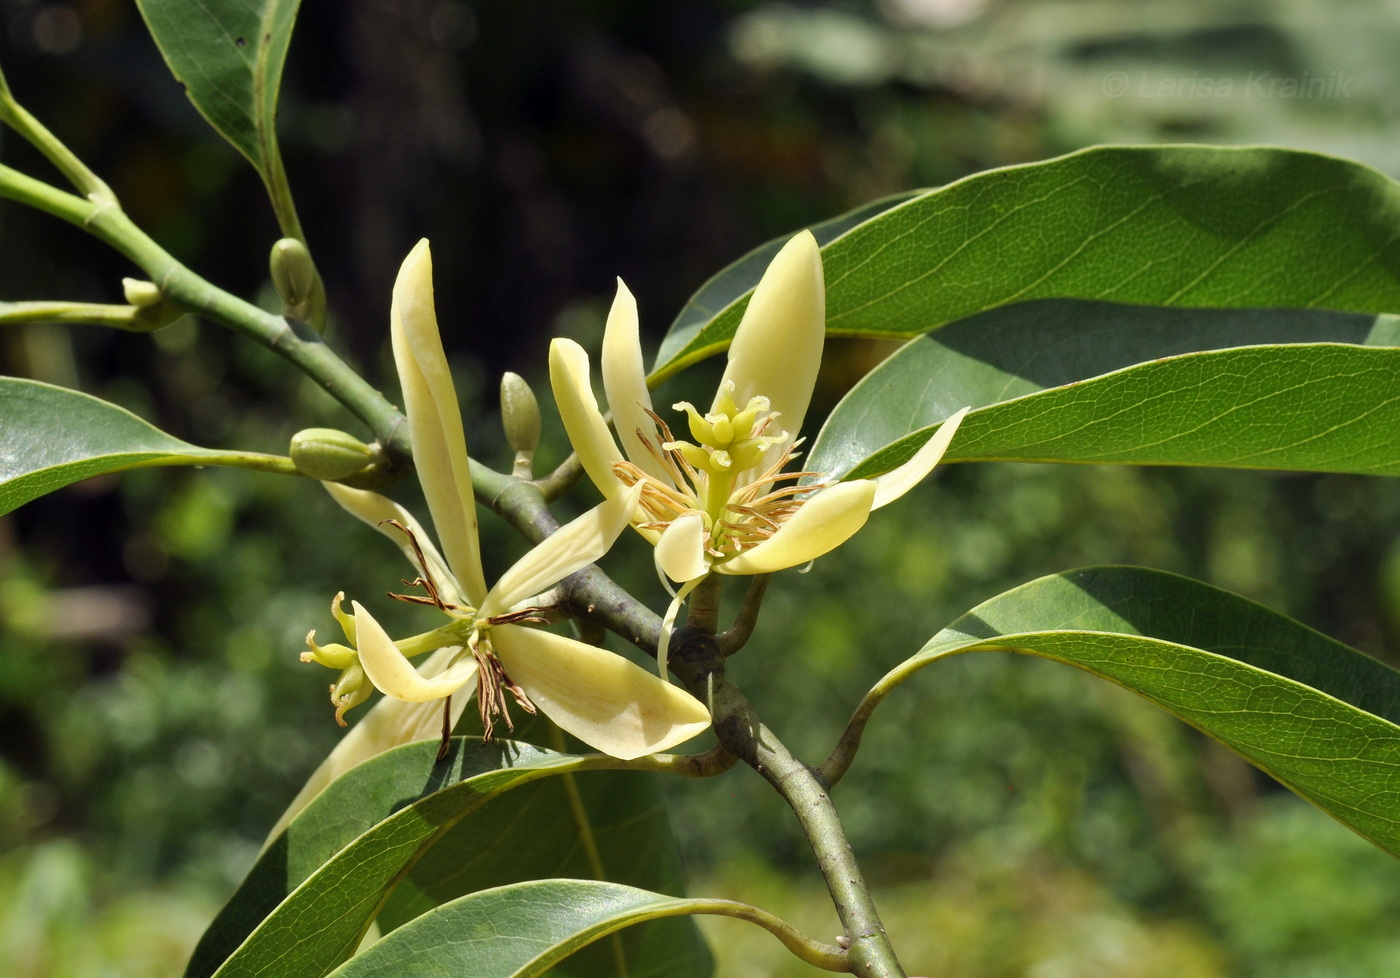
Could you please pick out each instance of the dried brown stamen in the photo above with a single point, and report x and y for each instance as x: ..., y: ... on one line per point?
x: 491, y: 679
x: 425, y: 576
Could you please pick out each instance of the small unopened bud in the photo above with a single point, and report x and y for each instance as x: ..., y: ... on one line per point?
x: 293, y: 274
x: 139, y: 293
x: 520, y: 416
x: 153, y: 310
x: 296, y: 280
x: 328, y: 454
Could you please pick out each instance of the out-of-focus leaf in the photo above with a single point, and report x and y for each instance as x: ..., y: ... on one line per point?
x: 1187, y: 226
x: 53, y: 437
x: 1070, y: 381
x: 738, y: 279
x: 228, y: 56
x: 1317, y: 715
x: 533, y: 833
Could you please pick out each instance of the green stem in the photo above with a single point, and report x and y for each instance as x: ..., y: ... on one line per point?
x: 815, y: 953
x: 279, y: 192
x: 592, y: 596
x: 562, y: 479
x: 255, y: 461
x: 699, y: 662
x: 704, y: 604
x: 18, y: 118
x: 834, y: 768
x: 736, y: 636
x: 77, y: 313
x: 294, y: 341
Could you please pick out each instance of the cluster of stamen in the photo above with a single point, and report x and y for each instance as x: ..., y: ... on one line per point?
x: 492, y: 681
x: 728, y: 442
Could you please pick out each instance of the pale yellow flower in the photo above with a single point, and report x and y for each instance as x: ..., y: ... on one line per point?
x: 725, y: 501
x: 598, y: 696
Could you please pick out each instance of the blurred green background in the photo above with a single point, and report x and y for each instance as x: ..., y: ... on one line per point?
x: 1019, y: 819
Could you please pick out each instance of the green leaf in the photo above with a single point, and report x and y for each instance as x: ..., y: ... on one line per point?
x: 738, y: 279
x: 1317, y: 715
x: 528, y: 928
x: 533, y: 834
x: 53, y: 437
x: 522, y: 929
x: 348, y: 808
x: 1189, y: 226
x: 309, y: 899
x: 1070, y: 381
x: 228, y: 56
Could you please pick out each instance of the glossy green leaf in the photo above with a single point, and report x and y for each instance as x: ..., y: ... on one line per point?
x: 532, y: 834
x: 228, y: 56
x: 1317, y: 715
x: 1188, y: 226
x: 738, y: 279
x: 322, y: 919
x: 53, y: 437
x: 529, y: 928
x: 1071, y: 381
x: 348, y: 807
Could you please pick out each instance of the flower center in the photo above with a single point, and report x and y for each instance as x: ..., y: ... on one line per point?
x: 729, y: 445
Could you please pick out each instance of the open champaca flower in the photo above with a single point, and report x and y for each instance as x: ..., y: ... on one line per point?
x: 728, y: 500
x: 603, y: 699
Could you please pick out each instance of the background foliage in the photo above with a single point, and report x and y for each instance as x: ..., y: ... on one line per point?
x: 154, y: 718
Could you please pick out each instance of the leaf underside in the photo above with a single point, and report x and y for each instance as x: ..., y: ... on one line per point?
x: 1315, y: 714
x: 1093, y: 382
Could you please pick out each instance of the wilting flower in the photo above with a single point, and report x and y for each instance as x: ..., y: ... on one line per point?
x: 726, y: 501
x: 599, y: 697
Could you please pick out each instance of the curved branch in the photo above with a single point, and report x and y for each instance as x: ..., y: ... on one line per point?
x: 295, y: 341
x: 825, y: 956
x: 698, y: 660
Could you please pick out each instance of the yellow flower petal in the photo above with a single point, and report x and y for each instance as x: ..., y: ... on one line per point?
x: 572, y: 547
x: 390, y: 672
x: 777, y: 349
x: 625, y: 383
x: 602, y: 699
x: 680, y: 553
x: 435, y: 420
x: 374, y: 510
x: 588, y: 432
x: 389, y: 723
x: 824, y: 522
x: 898, y: 481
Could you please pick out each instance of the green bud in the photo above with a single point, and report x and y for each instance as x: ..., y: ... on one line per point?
x: 520, y: 416
x: 140, y: 294
x: 153, y: 310
x: 293, y: 274
x: 296, y: 280
x: 328, y: 454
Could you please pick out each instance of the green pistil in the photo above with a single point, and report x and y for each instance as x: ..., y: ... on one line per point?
x: 456, y: 632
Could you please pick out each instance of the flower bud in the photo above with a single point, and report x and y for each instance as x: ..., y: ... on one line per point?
x: 520, y: 413
x: 296, y: 280
x: 520, y: 416
x: 328, y: 454
x: 141, y: 294
x: 153, y: 310
x: 293, y: 274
